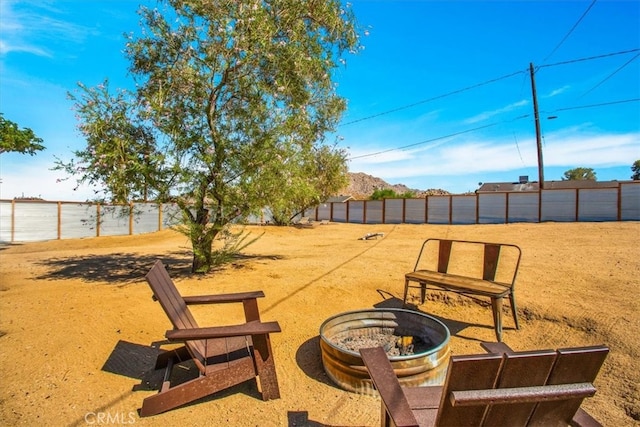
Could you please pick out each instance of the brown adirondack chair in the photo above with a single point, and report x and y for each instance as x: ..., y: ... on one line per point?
x: 224, y: 355
x: 502, y: 388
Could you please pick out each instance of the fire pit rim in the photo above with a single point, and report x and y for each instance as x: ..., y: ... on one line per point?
x: 445, y: 341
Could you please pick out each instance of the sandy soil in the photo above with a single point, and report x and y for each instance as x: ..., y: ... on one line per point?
x: 68, y: 308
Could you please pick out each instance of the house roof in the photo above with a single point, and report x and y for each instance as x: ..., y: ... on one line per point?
x: 490, y: 187
x: 339, y: 199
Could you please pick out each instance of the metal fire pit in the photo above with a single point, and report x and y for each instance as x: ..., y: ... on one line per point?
x: 426, y: 366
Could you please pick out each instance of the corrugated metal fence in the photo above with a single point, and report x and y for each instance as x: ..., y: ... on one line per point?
x: 35, y: 220
x: 621, y: 203
x: 22, y: 220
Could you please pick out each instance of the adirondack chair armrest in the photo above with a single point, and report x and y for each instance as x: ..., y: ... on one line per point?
x: 521, y: 394
x: 496, y: 347
x: 393, y: 398
x: 249, y: 328
x: 223, y: 298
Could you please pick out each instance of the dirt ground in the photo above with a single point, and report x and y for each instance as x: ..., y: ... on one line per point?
x: 77, y: 318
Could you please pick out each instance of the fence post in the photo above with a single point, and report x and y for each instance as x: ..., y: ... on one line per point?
x: 619, y: 202
x: 59, y: 220
x: 426, y: 209
x: 384, y: 210
x: 539, y: 204
x: 348, y: 210
x: 506, y: 208
x: 130, y: 218
x: 159, y: 216
x: 97, y: 219
x: 13, y: 220
x: 404, y: 210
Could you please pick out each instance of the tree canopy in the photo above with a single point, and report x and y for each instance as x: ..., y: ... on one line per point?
x: 13, y: 139
x: 579, y: 174
x: 233, y: 104
x: 388, y: 193
x: 635, y: 168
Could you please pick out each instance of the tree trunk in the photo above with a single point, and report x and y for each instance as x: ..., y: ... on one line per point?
x: 202, y: 249
x: 202, y: 237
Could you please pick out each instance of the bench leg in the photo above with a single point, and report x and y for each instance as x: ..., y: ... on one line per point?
x: 423, y: 291
x: 514, y: 310
x: 406, y: 291
x: 496, y: 306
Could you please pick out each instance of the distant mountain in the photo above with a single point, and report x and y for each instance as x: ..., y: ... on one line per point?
x: 361, y: 186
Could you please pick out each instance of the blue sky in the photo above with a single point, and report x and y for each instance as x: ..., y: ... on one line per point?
x: 440, y: 96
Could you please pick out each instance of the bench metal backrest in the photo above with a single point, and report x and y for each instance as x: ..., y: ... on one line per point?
x: 491, y: 256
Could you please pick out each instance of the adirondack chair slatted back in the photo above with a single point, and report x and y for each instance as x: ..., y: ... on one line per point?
x: 467, y: 372
x: 573, y: 365
x: 165, y: 291
x: 519, y: 369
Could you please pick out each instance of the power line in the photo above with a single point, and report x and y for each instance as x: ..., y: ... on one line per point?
x: 611, y: 75
x: 404, y: 147
x: 602, y: 104
x: 570, y: 31
x: 424, y: 101
x: 589, y: 58
x: 433, y: 98
x: 524, y: 116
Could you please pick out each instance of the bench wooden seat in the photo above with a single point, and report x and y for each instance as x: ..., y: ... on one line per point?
x: 504, y: 387
x: 468, y: 268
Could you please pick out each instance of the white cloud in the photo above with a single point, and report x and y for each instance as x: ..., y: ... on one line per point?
x: 33, y: 178
x: 477, y: 156
x: 31, y: 27
x: 557, y: 91
x: 488, y: 114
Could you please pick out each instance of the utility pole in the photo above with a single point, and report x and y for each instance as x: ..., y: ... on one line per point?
x: 537, y: 121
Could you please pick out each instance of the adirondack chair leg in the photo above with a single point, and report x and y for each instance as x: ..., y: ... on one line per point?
x: 496, y: 305
x: 514, y: 310
x: 163, y: 358
x: 193, y: 390
x: 265, y: 367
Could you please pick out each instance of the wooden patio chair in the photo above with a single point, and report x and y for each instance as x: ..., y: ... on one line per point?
x: 501, y: 388
x: 224, y: 355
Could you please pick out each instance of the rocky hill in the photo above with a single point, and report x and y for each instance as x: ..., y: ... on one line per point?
x: 361, y: 186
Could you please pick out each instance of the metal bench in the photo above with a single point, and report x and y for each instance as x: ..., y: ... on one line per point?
x: 468, y: 268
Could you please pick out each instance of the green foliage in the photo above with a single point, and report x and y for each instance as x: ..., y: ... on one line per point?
x: 388, y: 193
x: 310, y: 182
x: 233, y: 103
x: 579, y: 174
x: 12, y: 139
x: 635, y: 168
x: 121, y: 156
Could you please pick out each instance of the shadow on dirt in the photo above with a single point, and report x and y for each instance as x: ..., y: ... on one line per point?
x: 124, y: 268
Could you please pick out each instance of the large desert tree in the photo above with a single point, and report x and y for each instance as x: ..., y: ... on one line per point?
x: 635, y: 168
x: 579, y: 174
x: 233, y: 101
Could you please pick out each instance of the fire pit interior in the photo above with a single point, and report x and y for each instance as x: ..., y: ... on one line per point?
x: 417, y: 345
